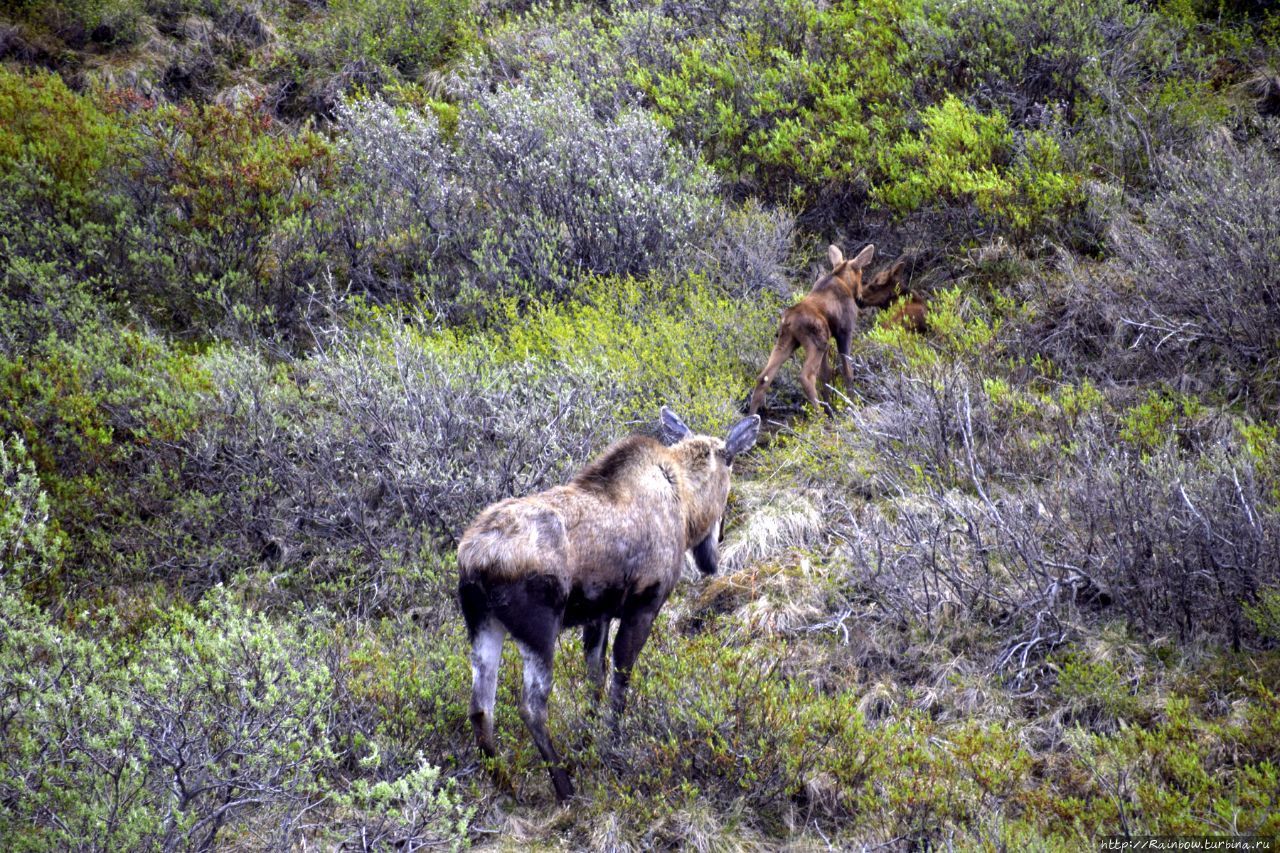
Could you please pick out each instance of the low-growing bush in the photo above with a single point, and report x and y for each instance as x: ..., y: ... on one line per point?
x: 1205, y: 262
x: 1189, y: 296
x: 346, y: 473
x: 31, y: 544
x: 405, y: 37
x: 1025, y: 507
x: 81, y: 23
x: 788, y: 99
x: 647, y: 343
x: 99, y: 406
x: 964, y: 157
x: 51, y: 137
x: 533, y: 192
x: 1027, y: 60
x: 215, y: 719
x: 224, y: 234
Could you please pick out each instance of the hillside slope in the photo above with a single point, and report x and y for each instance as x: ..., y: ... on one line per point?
x: 290, y: 291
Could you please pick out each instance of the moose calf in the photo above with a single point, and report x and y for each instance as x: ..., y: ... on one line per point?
x: 609, y: 545
x: 884, y: 287
x: 829, y: 310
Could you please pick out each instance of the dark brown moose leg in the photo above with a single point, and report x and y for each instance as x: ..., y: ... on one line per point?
x: 813, y: 369
x: 633, y: 631
x: 595, y: 642
x: 782, y: 351
x: 843, y: 341
x: 533, y: 710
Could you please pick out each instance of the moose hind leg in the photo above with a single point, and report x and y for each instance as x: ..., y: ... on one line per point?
x: 781, y: 352
x: 486, y: 655
x: 533, y: 710
x: 813, y: 370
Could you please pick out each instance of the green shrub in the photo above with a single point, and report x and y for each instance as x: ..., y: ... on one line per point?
x: 803, y: 102
x: 1159, y: 418
x: 53, y: 142
x: 1099, y: 692
x: 215, y: 719
x: 1181, y: 776
x: 221, y: 196
x: 686, y: 346
x: 407, y: 37
x: 1265, y: 614
x: 962, y: 157
x: 98, y: 405
x: 31, y: 547
x: 405, y: 685
x: 1027, y: 60
x: 110, y: 23
x: 416, y: 809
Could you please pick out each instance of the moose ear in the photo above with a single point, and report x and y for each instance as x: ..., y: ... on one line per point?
x: 672, y: 428
x: 864, y: 257
x: 895, y: 274
x: 835, y: 256
x: 743, y: 436
x: 879, y: 279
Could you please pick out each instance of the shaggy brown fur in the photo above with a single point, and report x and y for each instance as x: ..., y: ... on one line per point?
x: 884, y: 288
x: 829, y: 310
x: 609, y: 545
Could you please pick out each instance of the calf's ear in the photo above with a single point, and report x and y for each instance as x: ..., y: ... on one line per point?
x: 671, y: 427
x: 895, y: 274
x: 864, y: 257
x: 743, y: 436
x: 835, y: 256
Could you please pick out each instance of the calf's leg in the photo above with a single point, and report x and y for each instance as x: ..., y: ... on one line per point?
x: 782, y: 351
x: 815, y: 367
x: 844, y: 340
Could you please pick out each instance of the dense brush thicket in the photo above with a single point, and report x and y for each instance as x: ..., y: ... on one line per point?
x: 290, y: 291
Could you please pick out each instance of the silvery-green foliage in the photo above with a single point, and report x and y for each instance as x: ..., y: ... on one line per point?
x: 215, y: 718
x: 232, y: 710
x: 349, y: 478
x: 613, y: 194
x: 29, y: 546
x: 414, y: 811
x: 72, y: 773
x: 749, y: 253
x: 1191, y: 291
x: 1205, y: 259
x: 536, y: 189
x: 400, y: 205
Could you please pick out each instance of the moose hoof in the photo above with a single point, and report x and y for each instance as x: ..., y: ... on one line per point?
x: 564, y: 788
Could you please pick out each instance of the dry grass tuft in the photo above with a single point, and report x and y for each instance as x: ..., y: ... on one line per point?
x: 773, y: 522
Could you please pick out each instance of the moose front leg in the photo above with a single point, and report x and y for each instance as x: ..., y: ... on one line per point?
x: 844, y: 341
x: 595, y: 642
x: 633, y: 631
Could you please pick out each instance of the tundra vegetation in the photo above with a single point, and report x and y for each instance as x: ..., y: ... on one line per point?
x: 291, y: 291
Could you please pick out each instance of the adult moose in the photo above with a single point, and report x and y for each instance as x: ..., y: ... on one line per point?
x: 829, y: 310
x: 609, y: 545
